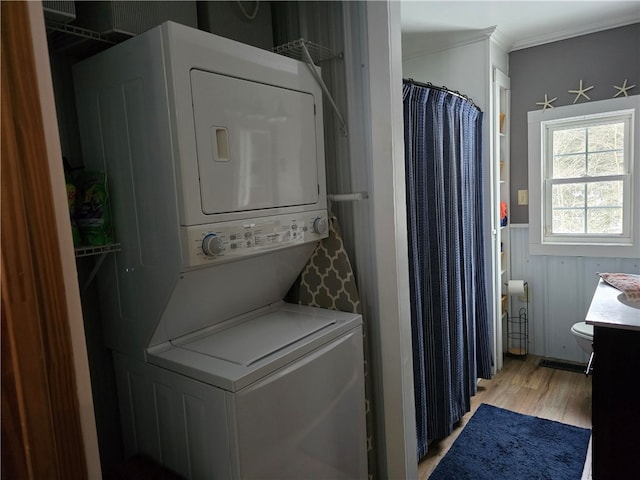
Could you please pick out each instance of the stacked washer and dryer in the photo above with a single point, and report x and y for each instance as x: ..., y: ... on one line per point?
x: 214, y: 156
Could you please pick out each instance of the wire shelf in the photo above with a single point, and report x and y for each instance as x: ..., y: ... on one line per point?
x: 72, y: 40
x: 89, y: 250
x: 317, y: 52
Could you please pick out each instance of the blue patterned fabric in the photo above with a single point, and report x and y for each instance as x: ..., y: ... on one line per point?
x: 449, y: 299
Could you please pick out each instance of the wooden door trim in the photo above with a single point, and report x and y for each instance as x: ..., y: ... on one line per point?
x: 41, y: 428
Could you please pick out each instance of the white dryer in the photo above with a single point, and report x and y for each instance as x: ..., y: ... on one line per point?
x: 214, y: 153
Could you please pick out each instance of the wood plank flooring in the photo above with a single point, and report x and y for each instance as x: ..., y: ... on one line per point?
x: 524, y: 387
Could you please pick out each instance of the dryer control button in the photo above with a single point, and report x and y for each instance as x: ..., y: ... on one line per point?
x: 320, y: 226
x: 212, y: 245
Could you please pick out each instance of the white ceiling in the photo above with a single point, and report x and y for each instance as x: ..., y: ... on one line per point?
x: 430, y: 25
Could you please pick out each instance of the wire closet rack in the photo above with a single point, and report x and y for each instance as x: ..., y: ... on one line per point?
x: 313, y: 54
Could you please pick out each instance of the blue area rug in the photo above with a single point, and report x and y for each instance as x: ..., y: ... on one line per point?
x: 501, y: 444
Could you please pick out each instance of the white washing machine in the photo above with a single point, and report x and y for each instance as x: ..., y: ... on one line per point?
x: 214, y: 153
x: 277, y: 394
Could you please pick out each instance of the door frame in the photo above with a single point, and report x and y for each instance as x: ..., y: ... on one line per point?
x: 48, y: 423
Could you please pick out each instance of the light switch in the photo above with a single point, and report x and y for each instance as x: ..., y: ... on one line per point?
x: 523, y: 197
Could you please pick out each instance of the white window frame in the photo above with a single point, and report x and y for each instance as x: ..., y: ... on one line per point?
x: 549, y: 127
x: 541, y: 242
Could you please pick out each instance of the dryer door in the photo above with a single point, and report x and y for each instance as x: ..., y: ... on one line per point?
x: 256, y: 144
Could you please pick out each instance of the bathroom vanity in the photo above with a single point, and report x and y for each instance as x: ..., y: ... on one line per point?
x: 616, y: 383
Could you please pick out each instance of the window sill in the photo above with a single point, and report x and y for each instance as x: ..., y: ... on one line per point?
x: 583, y: 250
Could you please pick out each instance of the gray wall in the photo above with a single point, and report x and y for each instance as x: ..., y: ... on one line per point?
x: 600, y: 59
x: 228, y: 20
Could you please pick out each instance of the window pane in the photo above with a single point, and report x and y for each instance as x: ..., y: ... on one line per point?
x: 604, y: 220
x: 605, y: 163
x: 606, y: 137
x: 604, y: 194
x: 568, y: 221
x: 567, y: 196
x: 587, y: 173
x: 569, y: 166
x: 572, y: 140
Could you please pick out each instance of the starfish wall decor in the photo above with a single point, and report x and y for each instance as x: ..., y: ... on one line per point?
x: 623, y: 89
x: 581, y: 92
x: 547, y: 103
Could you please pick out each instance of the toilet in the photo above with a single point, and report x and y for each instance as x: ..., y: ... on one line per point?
x: 583, y: 334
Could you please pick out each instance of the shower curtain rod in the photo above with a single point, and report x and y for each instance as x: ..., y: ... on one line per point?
x: 442, y: 89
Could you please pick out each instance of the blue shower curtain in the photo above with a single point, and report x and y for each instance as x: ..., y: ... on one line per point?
x: 449, y: 311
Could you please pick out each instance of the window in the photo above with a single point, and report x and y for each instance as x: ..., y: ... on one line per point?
x: 586, y: 173
x: 581, y: 185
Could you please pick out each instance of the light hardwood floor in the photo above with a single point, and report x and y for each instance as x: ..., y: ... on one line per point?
x: 522, y: 386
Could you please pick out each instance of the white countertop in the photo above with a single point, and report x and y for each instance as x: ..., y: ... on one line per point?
x: 610, y: 308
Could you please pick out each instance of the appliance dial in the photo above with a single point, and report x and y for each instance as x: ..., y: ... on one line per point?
x: 212, y: 245
x: 320, y: 226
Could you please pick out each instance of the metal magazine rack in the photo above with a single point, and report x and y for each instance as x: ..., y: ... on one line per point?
x: 518, y: 327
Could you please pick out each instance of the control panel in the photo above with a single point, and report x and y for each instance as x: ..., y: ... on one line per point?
x: 225, y: 241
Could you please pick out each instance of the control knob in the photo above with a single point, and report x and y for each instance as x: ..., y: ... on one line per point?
x: 320, y: 226
x: 212, y: 245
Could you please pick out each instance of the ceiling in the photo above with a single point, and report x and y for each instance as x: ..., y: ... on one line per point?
x: 433, y: 25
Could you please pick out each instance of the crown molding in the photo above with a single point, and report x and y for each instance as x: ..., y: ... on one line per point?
x: 576, y: 32
x: 440, y: 41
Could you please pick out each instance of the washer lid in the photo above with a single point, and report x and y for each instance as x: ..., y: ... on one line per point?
x: 237, y: 353
x: 247, y: 342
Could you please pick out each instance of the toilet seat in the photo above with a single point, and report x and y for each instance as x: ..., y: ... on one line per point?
x: 583, y: 330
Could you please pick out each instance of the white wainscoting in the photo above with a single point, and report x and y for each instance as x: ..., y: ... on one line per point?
x: 560, y: 291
